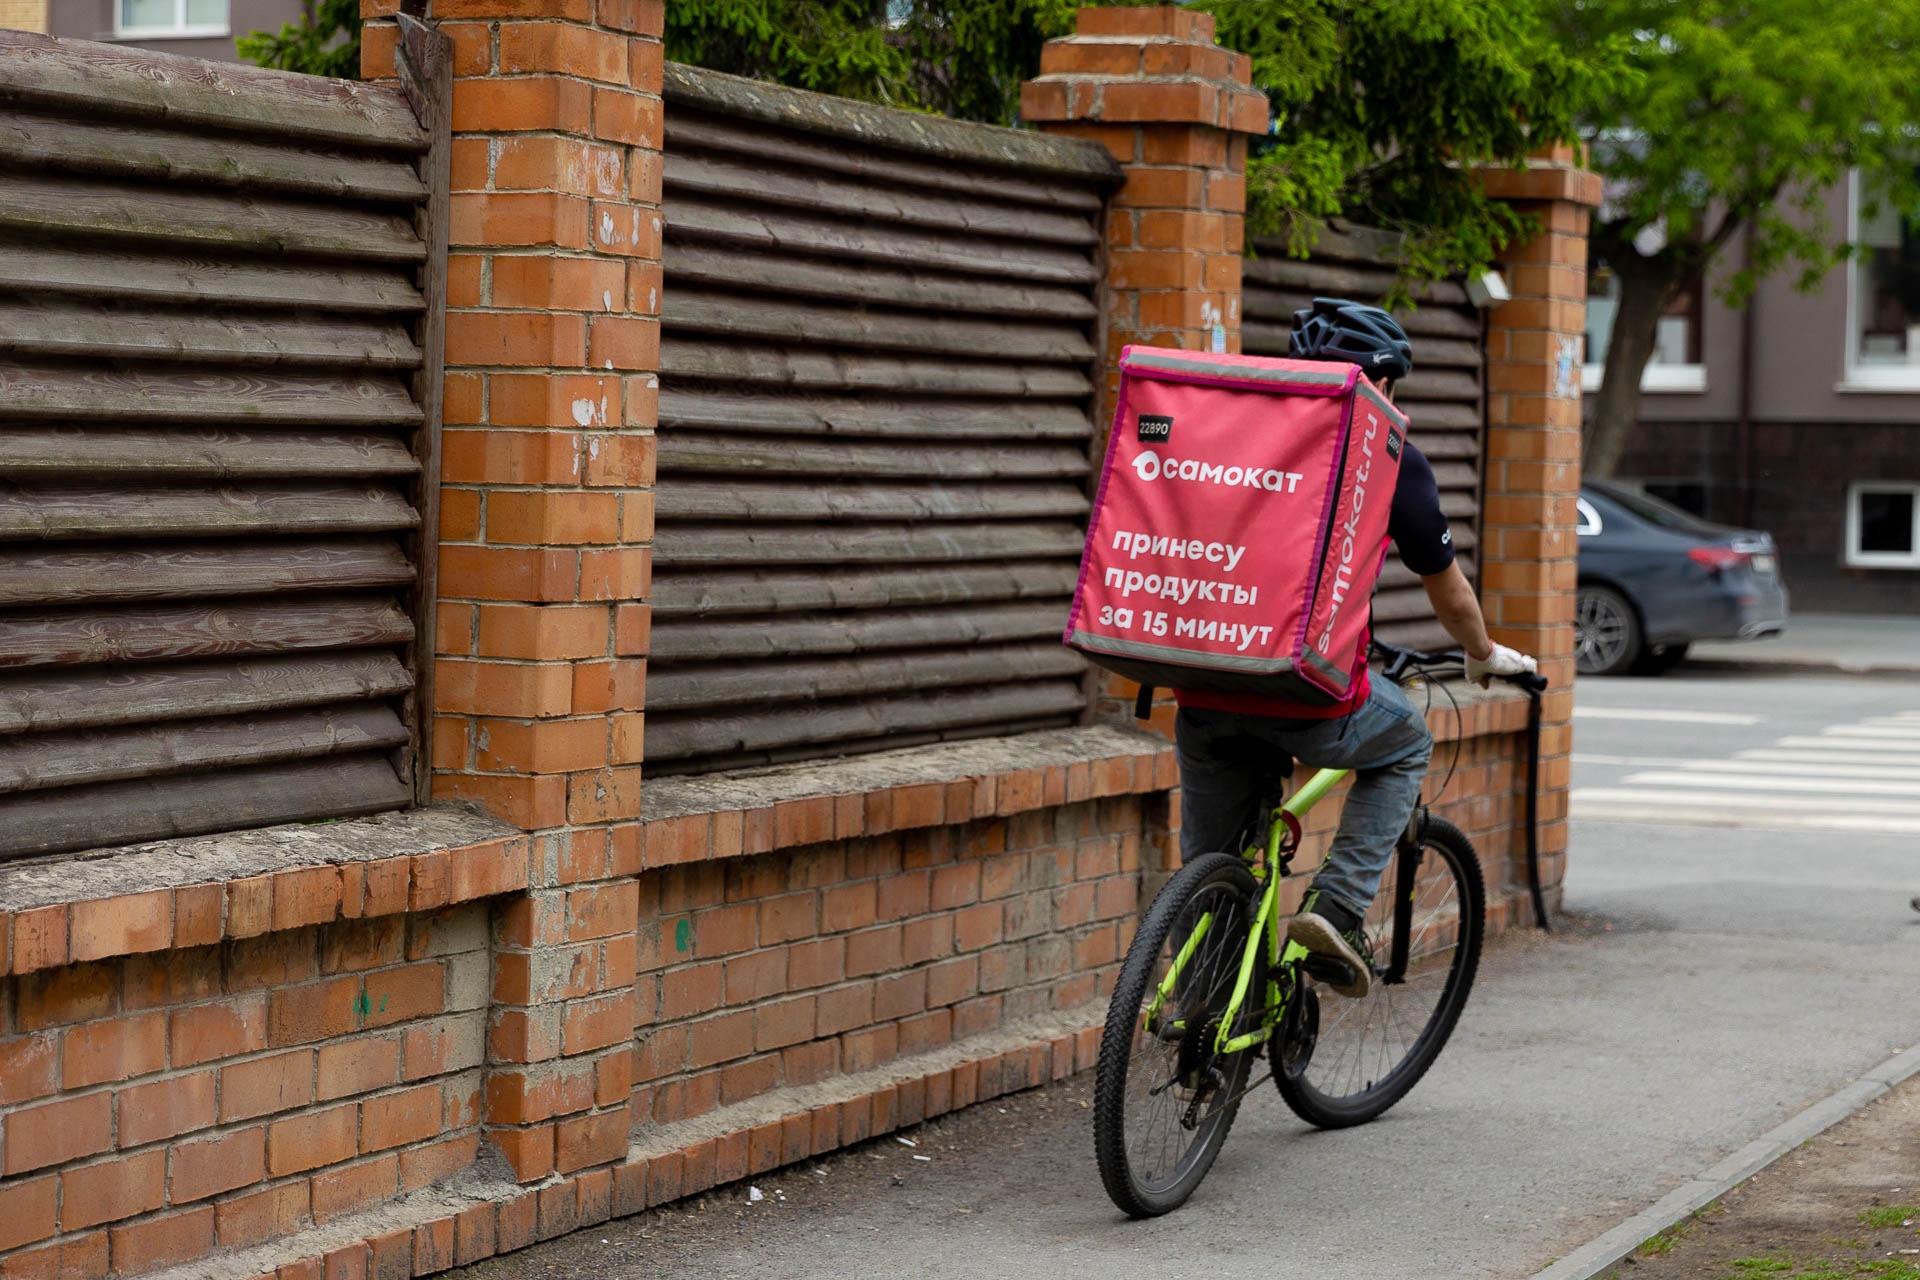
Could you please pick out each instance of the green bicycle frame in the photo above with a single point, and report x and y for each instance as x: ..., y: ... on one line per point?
x: 1266, y: 926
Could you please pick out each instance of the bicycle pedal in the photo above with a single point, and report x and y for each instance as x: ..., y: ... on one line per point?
x: 1328, y: 970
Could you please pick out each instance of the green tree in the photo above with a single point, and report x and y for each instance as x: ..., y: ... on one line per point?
x: 1747, y: 114
x: 1382, y: 108
x: 324, y: 42
x: 961, y: 58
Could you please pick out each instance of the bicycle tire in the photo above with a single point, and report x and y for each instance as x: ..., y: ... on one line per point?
x: 1216, y: 878
x: 1327, y: 1110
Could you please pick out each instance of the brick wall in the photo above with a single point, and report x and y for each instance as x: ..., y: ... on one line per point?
x: 162, y: 1105
x: 794, y: 967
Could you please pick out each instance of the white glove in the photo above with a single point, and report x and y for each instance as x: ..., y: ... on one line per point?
x: 1501, y: 662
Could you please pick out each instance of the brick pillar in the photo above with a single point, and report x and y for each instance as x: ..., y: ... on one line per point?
x: 552, y: 346
x: 1528, y: 556
x: 1174, y: 109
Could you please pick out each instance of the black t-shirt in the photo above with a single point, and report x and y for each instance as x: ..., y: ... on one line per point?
x: 1415, y: 523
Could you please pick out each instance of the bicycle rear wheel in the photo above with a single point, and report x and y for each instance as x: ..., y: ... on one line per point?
x: 1163, y: 1099
x: 1341, y: 1062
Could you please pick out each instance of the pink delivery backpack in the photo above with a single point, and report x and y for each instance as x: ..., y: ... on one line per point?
x: 1239, y: 525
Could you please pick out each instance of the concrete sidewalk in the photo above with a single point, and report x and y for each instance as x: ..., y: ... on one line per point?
x: 1834, y: 641
x: 1722, y: 982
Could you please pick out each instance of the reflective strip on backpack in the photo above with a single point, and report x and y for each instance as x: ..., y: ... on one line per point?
x: 1236, y: 372
x: 1181, y: 657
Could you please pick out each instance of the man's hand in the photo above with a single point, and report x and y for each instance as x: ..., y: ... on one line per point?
x: 1501, y: 662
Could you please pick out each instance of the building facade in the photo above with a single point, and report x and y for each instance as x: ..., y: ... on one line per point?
x: 191, y: 28
x: 1799, y: 414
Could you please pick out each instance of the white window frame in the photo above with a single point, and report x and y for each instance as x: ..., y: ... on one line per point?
x: 1587, y: 520
x: 1868, y: 379
x: 178, y: 31
x: 1859, y: 559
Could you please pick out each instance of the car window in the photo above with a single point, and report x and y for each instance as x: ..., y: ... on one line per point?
x: 1589, y: 522
x: 1661, y: 515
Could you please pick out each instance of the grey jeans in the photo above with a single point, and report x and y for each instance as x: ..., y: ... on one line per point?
x: 1226, y: 763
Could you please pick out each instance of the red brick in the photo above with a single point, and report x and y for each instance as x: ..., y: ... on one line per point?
x: 874, y: 951
x: 816, y: 963
x: 850, y: 906
x: 317, y: 1011
x: 121, y: 926
x: 358, y: 1066
x: 953, y: 980
x: 311, y: 1140
x: 112, y: 1190
x: 75, y: 1258
x: 39, y: 939
x: 391, y: 1254
x: 844, y: 1008
x: 722, y: 1039
x: 355, y: 1186
x: 29, y: 1068
x: 437, y: 1161
x: 755, y: 976
x: 208, y: 1032
x: 596, y: 1024
x: 397, y: 995
x: 601, y: 911
x: 783, y: 1023
x: 308, y: 896
x: 350, y: 1262
x: 264, y: 1085
x: 564, y: 48
x: 55, y: 1132
x: 787, y: 917
x: 212, y: 1165
x: 596, y: 1138
x: 261, y: 1215
x: 394, y: 1119
x: 117, y: 1049
x: 26, y: 1211
x: 157, y: 1242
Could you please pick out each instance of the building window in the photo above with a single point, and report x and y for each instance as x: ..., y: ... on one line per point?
x: 1675, y: 364
x: 1883, y: 295
x: 1883, y: 525
x: 148, y: 18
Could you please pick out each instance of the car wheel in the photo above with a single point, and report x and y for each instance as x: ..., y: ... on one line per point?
x: 1660, y: 659
x: 1606, y: 632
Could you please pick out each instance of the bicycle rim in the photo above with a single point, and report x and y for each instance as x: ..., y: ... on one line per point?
x: 1163, y: 1100
x: 1367, y: 1053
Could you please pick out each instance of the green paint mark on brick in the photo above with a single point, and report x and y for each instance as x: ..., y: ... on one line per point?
x: 683, y: 934
x: 361, y: 1005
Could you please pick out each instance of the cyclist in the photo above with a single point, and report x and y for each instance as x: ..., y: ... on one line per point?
x: 1227, y: 742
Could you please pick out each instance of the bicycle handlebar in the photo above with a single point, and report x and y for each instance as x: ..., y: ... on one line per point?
x: 1399, y: 660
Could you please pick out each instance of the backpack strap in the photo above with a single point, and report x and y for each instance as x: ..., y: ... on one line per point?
x: 1143, y: 703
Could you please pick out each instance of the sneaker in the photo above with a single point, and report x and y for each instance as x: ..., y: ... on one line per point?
x: 1328, y: 928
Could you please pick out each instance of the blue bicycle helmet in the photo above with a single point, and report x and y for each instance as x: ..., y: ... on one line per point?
x: 1355, y: 333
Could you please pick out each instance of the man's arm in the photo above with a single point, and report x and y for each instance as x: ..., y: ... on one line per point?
x: 1459, y: 612
x: 1455, y: 605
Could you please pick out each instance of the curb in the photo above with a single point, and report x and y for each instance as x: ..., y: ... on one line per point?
x: 1610, y: 1246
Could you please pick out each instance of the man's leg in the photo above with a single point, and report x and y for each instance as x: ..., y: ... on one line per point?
x: 1387, y: 745
x: 1222, y: 773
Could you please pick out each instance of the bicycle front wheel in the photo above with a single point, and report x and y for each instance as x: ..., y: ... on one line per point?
x: 1163, y: 1098
x: 1341, y: 1062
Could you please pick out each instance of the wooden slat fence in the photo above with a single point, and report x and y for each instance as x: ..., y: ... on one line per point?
x: 880, y: 340
x: 218, y: 381
x: 1444, y: 398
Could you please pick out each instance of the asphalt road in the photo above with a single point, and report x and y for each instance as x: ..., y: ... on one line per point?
x: 1727, y: 971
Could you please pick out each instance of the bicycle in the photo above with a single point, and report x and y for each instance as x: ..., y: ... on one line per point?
x: 1209, y: 984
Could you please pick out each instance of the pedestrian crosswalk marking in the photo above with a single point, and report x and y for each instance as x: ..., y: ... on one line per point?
x: 1867, y: 746
x: 1863, y: 776
x: 1662, y: 713
x: 1876, y: 758
x: 1778, y: 782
